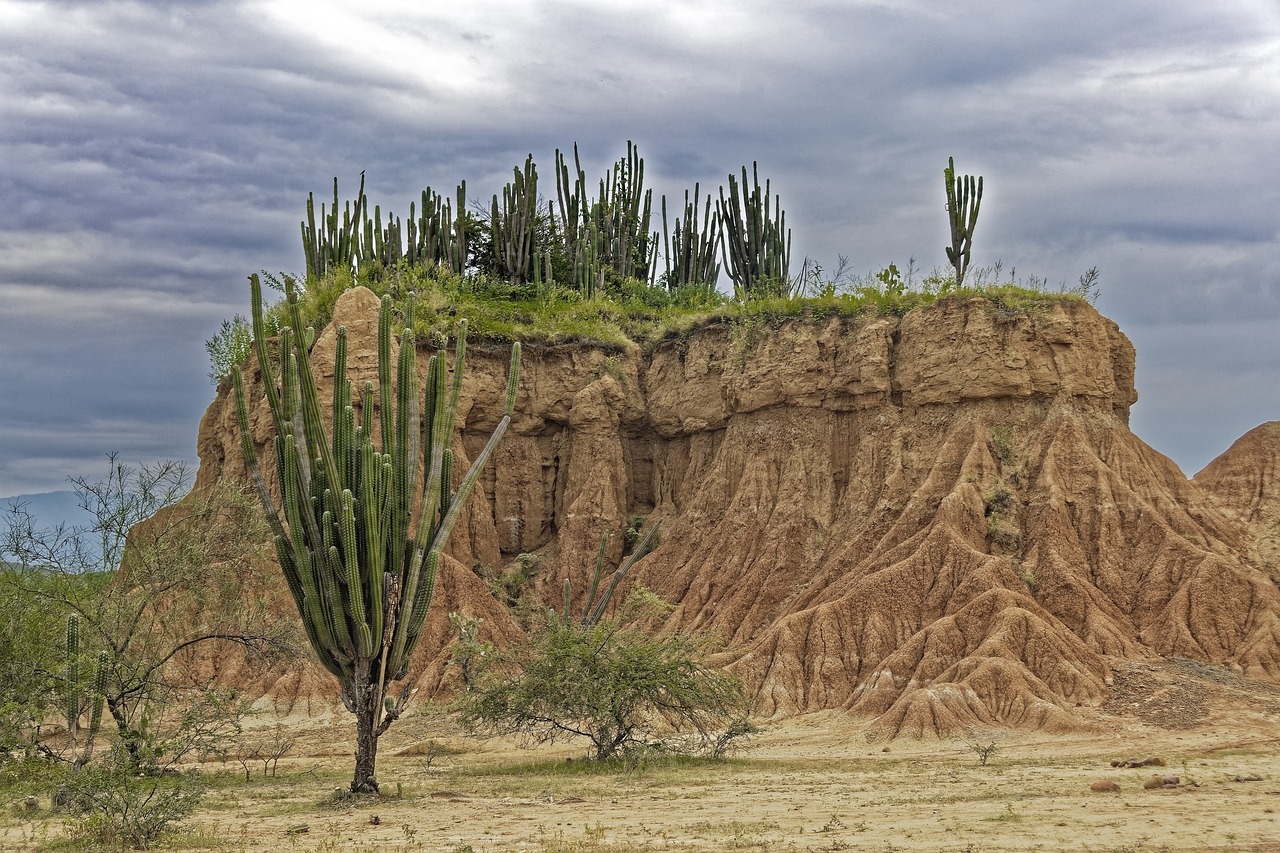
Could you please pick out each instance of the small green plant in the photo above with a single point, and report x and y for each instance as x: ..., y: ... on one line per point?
x: 984, y: 751
x: 511, y: 583
x: 1002, y: 445
x: 631, y: 536
x: 1007, y: 815
x: 891, y: 280
x: 1087, y: 289
x: 613, y: 366
x: 1029, y: 578
x: 229, y: 346
x: 112, y: 807
x: 998, y: 501
x: 470, y: 654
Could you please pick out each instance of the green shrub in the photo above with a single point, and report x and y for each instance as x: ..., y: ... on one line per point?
x: 113, y: 808
x: 626, y: 690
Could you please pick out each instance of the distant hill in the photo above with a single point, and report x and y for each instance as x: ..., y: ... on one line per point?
x: 49, y: 509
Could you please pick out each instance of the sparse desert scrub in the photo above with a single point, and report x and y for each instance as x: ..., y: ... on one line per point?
x: 809, y: 784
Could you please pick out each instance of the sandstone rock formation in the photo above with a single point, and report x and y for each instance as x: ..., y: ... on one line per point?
x: 1245, y: 480
x: 935, y: 521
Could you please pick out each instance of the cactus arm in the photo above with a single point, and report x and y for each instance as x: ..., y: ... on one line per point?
x: 601, y: 555
x: 72, y: 693
x: 645, y: 546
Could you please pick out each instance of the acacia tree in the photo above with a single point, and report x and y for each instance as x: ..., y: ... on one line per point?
x: 152, y: 583
x: 365, y: 507
x: 621, y: 687
x: 607, y: 679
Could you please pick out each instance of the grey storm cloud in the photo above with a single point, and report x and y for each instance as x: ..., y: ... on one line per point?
x: 154, y: 154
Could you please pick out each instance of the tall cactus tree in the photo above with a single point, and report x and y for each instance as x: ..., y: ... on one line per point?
x: 756, y: 242
x: 964, y: 197
x: 622, y: 215
x: 366, y: 505
x: 513, y: 224
x: 335, y: 242
x: 438, y: 236
x: 691, y: 251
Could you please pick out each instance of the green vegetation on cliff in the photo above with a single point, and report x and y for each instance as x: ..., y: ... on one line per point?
x: 630, y: 314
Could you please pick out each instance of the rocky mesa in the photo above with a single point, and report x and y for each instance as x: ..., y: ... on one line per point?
x: 933, y: 522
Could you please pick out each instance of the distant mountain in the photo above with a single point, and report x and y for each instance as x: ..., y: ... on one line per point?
x: 48, y: 509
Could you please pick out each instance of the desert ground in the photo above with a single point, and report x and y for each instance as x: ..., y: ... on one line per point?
x: 810, y: 783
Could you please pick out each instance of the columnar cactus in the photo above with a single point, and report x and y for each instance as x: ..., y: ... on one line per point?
x: 74, y: 694
x: 592, y: 607
x: 691, y: 252
x: 366, y: 505
x: 964, y: 197
x: 572, y: 197
x: 438, y: 236
x: 335, y: 243
x: 513, y: 224
x: 756, y: 243
x: 623, y: 214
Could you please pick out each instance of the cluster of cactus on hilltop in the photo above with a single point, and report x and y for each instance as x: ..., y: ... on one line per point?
x: 579, y: 240
x: 582, y: 241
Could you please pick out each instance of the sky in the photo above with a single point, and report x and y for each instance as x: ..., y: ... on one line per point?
x: 153, y: 155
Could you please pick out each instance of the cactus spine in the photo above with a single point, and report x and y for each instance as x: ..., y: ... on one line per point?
x: 964, y: 197
x: 757, y: 244
x: 363, y: 518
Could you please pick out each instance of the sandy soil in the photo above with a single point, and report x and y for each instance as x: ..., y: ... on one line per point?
x: 807, y: 784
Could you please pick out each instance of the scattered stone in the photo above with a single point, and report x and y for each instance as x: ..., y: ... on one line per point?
x: 1246, y: 777
x: 1157, y: 781
x: 375, y: 820
x: 1150, y: 761
x: 31, y: 803
x: 1104, y: 785
x: 886, y: 749
x: 298, y: 829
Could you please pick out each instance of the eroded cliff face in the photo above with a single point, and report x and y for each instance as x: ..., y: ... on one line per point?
x: 936, y: 521
x: 1245, y: 481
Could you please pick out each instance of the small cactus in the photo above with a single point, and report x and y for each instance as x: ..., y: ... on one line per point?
x: 964, y: 197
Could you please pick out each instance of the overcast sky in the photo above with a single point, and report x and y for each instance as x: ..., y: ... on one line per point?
x: 152, y: 155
